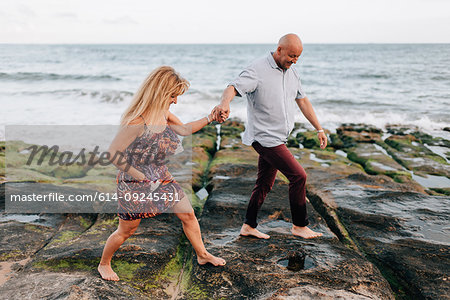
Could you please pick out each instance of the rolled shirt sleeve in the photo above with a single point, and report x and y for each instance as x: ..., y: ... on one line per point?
x: 246, y: 82
x: 300, y: 93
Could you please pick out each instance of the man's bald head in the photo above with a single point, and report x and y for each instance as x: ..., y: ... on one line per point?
x: 289, y: 49
x: 290, y: 40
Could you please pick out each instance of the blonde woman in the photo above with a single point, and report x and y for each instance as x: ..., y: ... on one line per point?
x: 149, y: 131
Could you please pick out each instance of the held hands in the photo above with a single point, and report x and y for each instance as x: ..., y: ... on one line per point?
x: 211, y: 118
x: 221, y: 112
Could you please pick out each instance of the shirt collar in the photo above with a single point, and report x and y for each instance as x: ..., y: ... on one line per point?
x: 272, y: 62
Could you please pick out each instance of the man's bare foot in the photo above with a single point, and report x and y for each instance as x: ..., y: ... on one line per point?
x: 107, y: 272
x: 209, y: 258
x: 247, y: 230
x: 304, y: 232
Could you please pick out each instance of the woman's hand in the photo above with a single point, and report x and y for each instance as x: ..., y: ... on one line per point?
x: 141, y: 177
x: 212, y: 117
x: 221, y: 112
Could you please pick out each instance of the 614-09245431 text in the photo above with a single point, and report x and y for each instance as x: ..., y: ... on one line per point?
x: 98, y: 196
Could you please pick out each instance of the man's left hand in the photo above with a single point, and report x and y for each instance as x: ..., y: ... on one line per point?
x: 322, y: 139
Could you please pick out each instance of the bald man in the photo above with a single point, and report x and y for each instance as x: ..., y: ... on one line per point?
x: 273, y: 91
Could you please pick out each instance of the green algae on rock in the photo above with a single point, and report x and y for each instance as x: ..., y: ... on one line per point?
x: 415, y: 156
x: 375, y: 162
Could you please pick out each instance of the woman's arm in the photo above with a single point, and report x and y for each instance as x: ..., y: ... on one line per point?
x: 188, y: 128
x: 123, y: 139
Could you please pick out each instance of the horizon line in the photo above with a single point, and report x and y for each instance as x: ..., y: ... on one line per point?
x: 202, y: 43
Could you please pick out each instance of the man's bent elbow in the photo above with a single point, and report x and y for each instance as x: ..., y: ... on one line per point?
x: 302, y: 100
x: 232, y: 90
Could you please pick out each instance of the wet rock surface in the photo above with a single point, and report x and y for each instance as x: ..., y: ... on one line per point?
x: 68, y: 247
x: 204, y: 145
x: 351, y: 134
x: 71, y: 285
x: 256, y: 267
x: 2, y: 161
x: 405, y: 233
x: 374, y: 162
x: 271, y: 268
x: 401, y: 152
x: 73, y: 253
x: 385, y: 230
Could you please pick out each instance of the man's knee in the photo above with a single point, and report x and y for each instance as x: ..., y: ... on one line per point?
x: 265, y: 186
x: 298, y: 178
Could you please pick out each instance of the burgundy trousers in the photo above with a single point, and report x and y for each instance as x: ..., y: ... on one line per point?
x: 272, y: 159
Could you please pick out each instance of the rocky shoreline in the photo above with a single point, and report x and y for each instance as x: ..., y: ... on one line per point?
x: 381, y: 198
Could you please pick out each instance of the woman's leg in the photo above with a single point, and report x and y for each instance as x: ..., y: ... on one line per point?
x: 115, y: 240
x: 191, y: 228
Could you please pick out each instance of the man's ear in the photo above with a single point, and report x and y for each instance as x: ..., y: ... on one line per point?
x: 279, y: 50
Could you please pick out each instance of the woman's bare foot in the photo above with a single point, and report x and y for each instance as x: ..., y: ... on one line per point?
x: 247, y: 230
x: 304, y: 232
x: 107, y: 272
x: 209, y: 258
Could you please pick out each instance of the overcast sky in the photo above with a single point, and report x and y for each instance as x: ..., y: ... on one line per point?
x: 229, y: 21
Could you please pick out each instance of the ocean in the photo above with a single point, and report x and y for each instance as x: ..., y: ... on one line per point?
x: 375, y: 84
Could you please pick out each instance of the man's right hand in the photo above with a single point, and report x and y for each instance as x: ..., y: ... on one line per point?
x: 221, y: 112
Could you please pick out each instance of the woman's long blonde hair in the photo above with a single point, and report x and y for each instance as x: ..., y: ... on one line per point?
x: 154, y: 95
